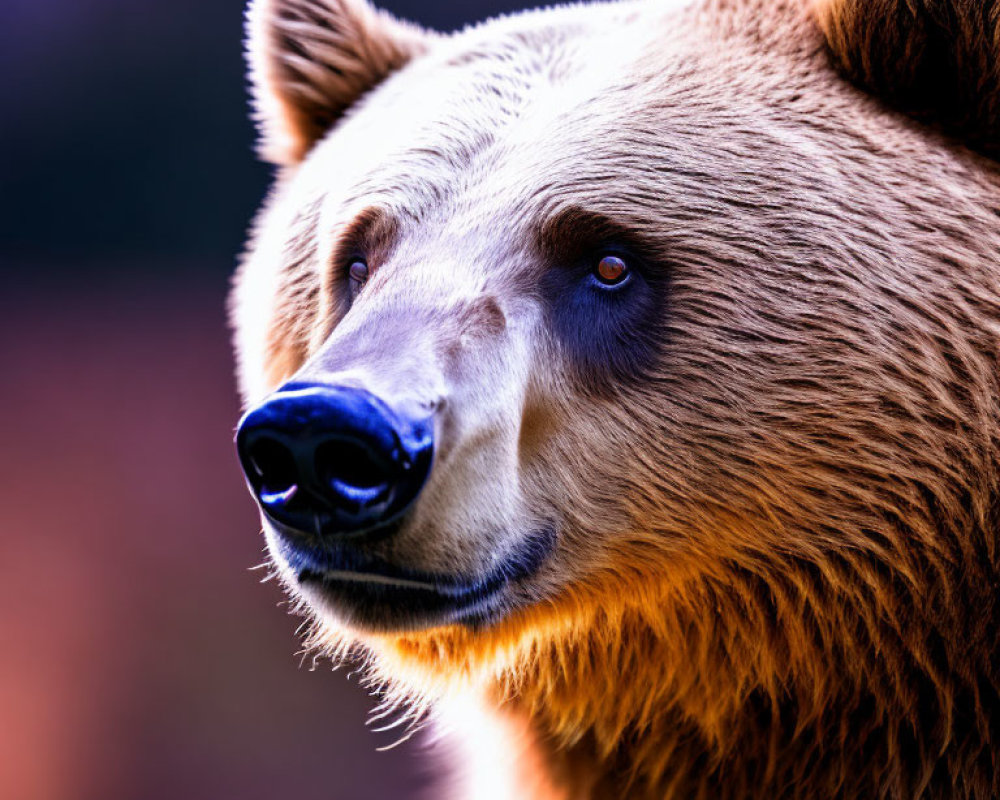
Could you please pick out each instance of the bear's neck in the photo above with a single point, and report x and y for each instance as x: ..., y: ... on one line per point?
x: 752, y: 693
x: 846, y: 677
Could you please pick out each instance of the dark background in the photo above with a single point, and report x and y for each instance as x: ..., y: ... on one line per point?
x: 139, y: 656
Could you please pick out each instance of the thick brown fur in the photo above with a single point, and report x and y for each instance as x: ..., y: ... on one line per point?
x: 777, y: 566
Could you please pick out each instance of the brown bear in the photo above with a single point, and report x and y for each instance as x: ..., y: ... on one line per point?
x: 623, y: 381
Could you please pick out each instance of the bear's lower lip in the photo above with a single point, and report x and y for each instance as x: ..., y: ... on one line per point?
x: 371, y: 594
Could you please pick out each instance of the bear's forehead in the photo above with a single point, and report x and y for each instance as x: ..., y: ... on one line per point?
x: 498, y: 114
x: 613, y: 113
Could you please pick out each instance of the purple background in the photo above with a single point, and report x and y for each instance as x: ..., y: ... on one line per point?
x: 139, y: 656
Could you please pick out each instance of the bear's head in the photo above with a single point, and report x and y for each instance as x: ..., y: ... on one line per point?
x: 629, y: 334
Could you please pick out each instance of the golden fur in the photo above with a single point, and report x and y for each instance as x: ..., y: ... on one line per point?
x: 776, y: 572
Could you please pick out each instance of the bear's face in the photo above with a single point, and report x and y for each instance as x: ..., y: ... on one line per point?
x: 660, y: 281
x: 516, y: 288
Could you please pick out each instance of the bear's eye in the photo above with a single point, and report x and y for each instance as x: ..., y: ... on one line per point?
x: 611, y: 271
x: 358, y: 272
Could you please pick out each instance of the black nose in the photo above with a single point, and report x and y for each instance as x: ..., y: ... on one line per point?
x: 330, y: 460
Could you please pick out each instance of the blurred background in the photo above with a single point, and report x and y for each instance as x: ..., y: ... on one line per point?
x: 139, y: 655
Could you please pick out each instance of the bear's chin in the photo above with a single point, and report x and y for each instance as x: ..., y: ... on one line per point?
x: 356, y: 590
x: 375, y: 604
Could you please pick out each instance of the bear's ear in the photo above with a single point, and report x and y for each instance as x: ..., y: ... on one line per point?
x: 310, y: 60
x: 936, y: 59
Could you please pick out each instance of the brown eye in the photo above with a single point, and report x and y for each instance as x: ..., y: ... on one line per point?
x: 611, y: 270
x: 358, y: 272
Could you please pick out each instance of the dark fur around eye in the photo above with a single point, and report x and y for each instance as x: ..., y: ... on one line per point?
x: 611, y: 334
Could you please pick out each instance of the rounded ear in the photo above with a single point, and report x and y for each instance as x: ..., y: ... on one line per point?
x: 936, y: 59
x: 310, y: 60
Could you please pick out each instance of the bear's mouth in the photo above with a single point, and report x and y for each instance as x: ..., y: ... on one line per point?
x: 375, y: 595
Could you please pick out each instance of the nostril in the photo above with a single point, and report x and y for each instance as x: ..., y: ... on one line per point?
x: 344, y: 463
x: 275, y: 471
